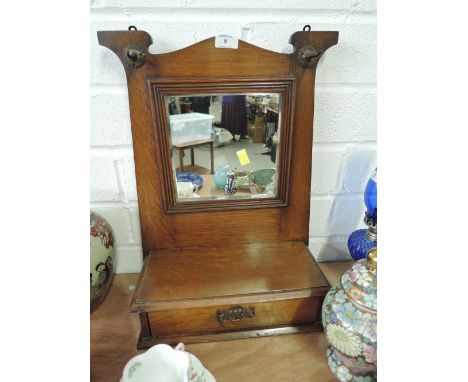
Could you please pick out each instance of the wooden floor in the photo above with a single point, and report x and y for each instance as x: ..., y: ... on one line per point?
x: 295, y: 357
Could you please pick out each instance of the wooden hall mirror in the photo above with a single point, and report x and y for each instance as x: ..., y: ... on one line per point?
x: 222, y: 144
x: 240, y: 127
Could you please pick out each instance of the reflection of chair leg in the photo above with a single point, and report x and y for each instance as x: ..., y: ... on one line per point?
x: 192, y: 156
x: 181, y: 159
x: 212, y: 156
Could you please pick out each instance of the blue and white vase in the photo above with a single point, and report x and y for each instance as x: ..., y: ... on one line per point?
x: 362, y: 240
x: 230, y: 187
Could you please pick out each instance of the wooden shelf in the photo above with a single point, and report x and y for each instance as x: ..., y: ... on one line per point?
x: 297, y: 357
x: 179, y: 278
x: 183, y: 292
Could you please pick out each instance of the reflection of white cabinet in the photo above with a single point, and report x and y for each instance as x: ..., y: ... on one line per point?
x: 190, y: 127
x: 215, y: 111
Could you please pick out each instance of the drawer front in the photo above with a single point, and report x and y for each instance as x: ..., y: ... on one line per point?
x: 232, y: 317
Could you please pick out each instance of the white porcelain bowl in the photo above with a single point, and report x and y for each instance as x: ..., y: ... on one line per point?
x: 162, y: 363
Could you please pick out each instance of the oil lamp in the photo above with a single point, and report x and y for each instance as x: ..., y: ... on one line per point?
x: 362, y: 240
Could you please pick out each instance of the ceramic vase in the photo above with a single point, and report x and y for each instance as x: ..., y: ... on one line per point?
x: 349, y: 317
x: 220, y: 175
x: 230, y: 187
x: 101, y: 258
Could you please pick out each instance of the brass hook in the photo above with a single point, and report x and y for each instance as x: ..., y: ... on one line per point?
x: 134, y: 55
x: 308, y: 56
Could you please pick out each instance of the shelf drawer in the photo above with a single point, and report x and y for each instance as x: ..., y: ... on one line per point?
x: 194, y: 295
x: 212, y: 319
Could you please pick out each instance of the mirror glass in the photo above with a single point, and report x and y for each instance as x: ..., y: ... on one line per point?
x: 224, y: 146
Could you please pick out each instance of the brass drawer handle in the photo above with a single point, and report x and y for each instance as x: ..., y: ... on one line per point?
x: 234, y: 314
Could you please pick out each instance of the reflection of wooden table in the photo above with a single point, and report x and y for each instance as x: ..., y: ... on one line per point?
x: 209, y: 189
x: 191, y: 145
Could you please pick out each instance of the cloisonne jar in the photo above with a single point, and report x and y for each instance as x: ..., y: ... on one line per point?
x: 349, y: 317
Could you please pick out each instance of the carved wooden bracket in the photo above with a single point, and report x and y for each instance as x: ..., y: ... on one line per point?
x: 130, y: 46
x: 309, y: 46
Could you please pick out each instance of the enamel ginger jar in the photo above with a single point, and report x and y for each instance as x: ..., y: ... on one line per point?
x: 349, y: 317
x: 101, y: 258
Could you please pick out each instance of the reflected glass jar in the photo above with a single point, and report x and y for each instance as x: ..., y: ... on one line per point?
x: 220, y: 175
x: 349, y: 317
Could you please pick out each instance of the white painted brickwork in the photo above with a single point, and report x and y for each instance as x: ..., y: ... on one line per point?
x: 345, y: 105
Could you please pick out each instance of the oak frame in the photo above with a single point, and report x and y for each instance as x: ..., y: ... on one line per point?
x: 162, y: 229
x: 220, y: 249
x: 159, y: 88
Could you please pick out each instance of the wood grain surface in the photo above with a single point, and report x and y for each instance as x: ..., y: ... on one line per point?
x: 189, y: 273
x: 285, y: 312
x: 199, y: 63
x: 266, y: 273
x: 295, y: 357
x: 183, y: 288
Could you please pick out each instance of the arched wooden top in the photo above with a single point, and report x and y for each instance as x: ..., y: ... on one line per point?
x: 204, y: 57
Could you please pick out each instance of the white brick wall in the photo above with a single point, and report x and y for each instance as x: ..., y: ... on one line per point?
x: 345, y: 120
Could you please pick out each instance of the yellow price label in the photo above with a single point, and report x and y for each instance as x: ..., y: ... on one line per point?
x: 243, y: 157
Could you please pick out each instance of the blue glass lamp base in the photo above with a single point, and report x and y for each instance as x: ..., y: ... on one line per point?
x: 359, y: 244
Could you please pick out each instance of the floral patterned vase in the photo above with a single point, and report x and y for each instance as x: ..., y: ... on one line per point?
x: 349, y: 316
x: 101, y: 258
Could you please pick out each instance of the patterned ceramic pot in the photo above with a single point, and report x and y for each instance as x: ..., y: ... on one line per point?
x: 101, y: 258
x: 260, y: 179
x: 349, y: 317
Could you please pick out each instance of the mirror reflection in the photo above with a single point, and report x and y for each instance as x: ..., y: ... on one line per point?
x: 225, y: 146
